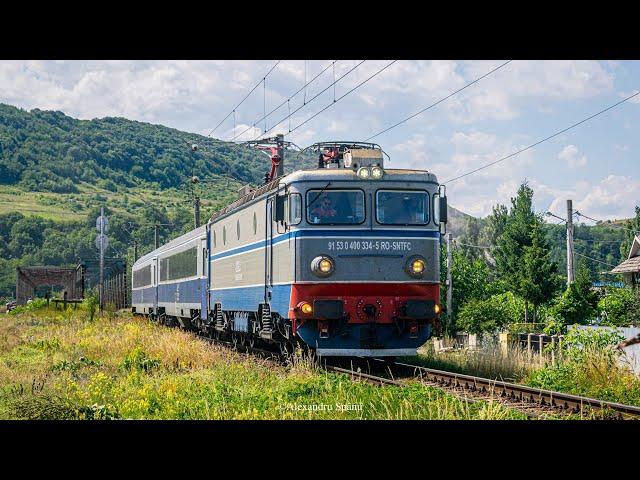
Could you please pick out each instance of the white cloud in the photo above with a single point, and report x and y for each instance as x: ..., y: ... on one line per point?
x: 612, y: 197
x: 571, y: 155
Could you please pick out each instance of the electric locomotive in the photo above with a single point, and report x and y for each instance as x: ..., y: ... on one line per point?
x: 342, y: 259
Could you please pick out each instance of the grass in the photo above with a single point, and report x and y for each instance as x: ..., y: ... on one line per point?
x: 595, y: 372
x: 61, y: 365
x: 489, y: 362
x: 590, y: 370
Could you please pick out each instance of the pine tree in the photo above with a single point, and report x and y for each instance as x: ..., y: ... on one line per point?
x: 538, y: 276
x: 522, y: 254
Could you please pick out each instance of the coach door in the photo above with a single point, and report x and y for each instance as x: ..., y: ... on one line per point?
x: 154, y: 282
x: 268, y: 250
x: 204, y: 289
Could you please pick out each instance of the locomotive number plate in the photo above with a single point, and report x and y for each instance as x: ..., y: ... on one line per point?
x: 370, y: 245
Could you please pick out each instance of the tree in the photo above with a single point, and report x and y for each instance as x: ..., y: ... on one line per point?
x: 471, y: 281
x: 579, y: 302
x: 482, y: 315
x: 538, y: 280
x: 522, y: 255
x: 619, y: 306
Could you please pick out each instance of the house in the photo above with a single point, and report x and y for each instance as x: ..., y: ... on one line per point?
x: 630, y: 268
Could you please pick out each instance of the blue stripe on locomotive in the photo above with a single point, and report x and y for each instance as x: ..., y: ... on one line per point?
x: 248, y: 298
x: 328, y: 233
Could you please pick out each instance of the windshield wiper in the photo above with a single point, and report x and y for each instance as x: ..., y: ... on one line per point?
x: 318, y: 195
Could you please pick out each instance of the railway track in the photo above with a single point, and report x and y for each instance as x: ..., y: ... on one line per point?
x: 533, y: 402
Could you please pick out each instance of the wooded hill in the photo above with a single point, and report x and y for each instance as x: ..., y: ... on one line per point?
x: 56, y: 171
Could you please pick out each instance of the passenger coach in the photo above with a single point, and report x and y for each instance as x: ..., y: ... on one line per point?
x: 342, y: 259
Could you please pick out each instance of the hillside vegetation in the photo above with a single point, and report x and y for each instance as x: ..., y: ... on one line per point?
x: 51, y: 152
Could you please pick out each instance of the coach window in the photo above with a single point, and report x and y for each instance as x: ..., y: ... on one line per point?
x: 224, y: 235
x: 214, y: 239
x: 255, y: 223
x: 295, y: 208
x: 238, y: 228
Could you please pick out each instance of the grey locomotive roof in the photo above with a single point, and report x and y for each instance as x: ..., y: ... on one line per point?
x: 326, y: 174
x: 349, y: 174
x: 196, y: 233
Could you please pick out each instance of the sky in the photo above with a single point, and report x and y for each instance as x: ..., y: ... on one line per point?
x: 596, y: 164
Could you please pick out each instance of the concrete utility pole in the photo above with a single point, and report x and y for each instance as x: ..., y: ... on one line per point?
x: 449, y: 282
x: 101, y: 258
x: 155, y: 235
x: 135, y: 251
x: 570, y: 266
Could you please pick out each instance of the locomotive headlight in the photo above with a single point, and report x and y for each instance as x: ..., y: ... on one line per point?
x: 377, y: 173
x: 306, y: 308
x: 364, y: 173
x: 437, y: 308
x: 322, y: 266
x: 416, y: 266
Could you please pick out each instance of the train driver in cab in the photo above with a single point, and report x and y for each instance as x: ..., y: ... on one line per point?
x: 324, y: 210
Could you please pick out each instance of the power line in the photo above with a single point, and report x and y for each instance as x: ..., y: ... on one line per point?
x: 594, y: 259
x: 438, y: 102
x: 247, y: 96
x: 543, y: 140
x: 473, y: 246
x: 312, y: 98
x: 340, y: 98
x: 601, y: 222
x: 288, y: 99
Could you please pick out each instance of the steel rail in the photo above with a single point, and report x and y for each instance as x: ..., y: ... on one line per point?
x: 525, y: 393
x: 498, y: 388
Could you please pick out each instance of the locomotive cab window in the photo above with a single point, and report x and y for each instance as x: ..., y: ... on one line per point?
x: 335, y: 207
x: 295, y: 208
x: 402, y: 207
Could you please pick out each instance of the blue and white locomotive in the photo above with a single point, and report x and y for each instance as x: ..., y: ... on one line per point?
x: 342, y: 259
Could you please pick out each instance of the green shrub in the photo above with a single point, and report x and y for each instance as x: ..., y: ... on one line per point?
x: 137, y: 359
x: 29, y: 307
x: 90, y: 304
x: 619, y: 306
x: 477, y: 316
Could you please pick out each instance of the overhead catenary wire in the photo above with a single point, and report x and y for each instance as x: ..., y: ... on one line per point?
x: 594, y: 259
x: 341, y: 97
x: 602, y: 224
x: 242, y: 101
x: 439, y: 101
x: 303, y: 88
x: 456, y: 242
x: 314, y: 97
x: 559, y: 132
